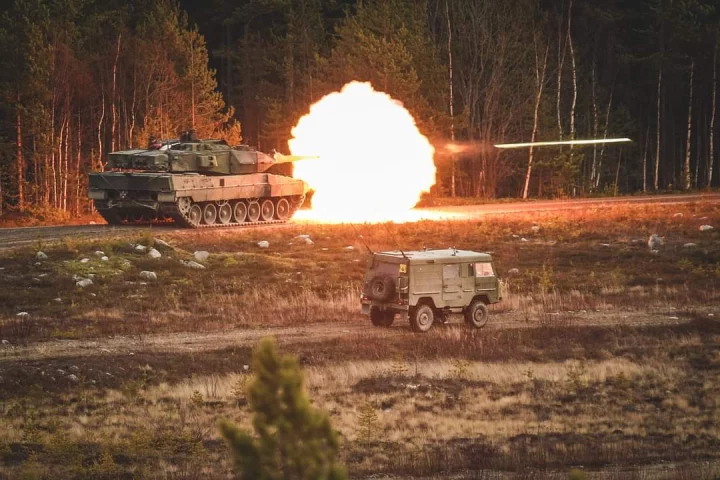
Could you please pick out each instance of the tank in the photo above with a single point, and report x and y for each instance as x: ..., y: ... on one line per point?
x: 196, y: 184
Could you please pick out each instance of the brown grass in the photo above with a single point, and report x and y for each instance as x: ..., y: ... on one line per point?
x: 603, y: 358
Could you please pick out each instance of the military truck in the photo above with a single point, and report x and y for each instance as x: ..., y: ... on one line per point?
x: 429, y: 285
x: 196, y: 183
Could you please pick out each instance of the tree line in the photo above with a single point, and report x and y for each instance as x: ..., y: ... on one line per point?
x: 83, y: 78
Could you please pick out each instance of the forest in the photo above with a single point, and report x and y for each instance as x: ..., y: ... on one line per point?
x: 81, y: 78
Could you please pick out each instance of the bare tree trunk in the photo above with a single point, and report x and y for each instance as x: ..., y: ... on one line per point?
x: 574, y: 74
x: 605, y: 135
x: 656, y: 179
x: 596, y: 127
x: 540, y: 83
x: 113, y: 126
x: 453, y: 159
x: 192, y: 78
x: 686, y: 171
x: 99, y: 136
x: 617, y: 172
x: 19, y: 157
x: 561, y: 61
x: 711, y: 158
x: 645, y: 153
x: 77, y: 167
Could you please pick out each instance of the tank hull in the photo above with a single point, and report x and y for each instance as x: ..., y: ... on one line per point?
x: 194, y: 200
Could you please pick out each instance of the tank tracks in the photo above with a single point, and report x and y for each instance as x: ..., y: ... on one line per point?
x: 188, y: 214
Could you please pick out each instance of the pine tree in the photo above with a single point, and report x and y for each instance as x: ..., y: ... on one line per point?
x: 293, y: 439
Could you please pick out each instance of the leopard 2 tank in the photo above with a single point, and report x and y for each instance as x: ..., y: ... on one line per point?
x: 196, y: 184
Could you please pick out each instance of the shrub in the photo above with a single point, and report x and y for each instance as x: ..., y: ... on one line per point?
x: 293, y: 440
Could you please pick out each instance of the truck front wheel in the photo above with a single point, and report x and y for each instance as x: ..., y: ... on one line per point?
x: 421, y: 318
x: 381, y: 318
x: 476, y: 315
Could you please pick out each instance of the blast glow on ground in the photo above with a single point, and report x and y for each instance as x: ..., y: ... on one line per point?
x: 374, y: 163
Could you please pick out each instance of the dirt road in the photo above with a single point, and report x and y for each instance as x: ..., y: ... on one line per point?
x: 19, y: 237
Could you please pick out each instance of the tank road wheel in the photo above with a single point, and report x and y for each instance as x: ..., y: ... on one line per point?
x: 137, y: 217
x: 209, y: 214
x: 195, y: 214
x: 282, y: 209
x: 381, y: 318
x: 225, y: 213
x: 253, y: 212
x: 422, y: 318
x: 267, y: 210
x: 240, y: 211
x: 476, y: 315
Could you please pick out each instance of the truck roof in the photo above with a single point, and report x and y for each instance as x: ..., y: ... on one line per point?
x: 448, y: 255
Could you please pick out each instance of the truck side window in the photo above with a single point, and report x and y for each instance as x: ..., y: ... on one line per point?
x: 484, y: 270
x: 451, y: 271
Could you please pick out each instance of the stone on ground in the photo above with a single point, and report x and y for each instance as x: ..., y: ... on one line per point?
x: 146, y: 275
x: 41, y: 256
x: 263, y: 244
x: 85, y: 282
x: 706, y: 228
x: 201, y: 255
x: 154, y: 253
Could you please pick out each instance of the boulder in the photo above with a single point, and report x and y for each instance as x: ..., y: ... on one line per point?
x: 140, y: 248
x: 154, y: 253
x: 163, y: 244
x: 84, y: 260
x: 57, y: 300
x: 349, y: 248
x: 22, y: 314
x: 104, y: 259
x: 514, y: 271
x: 40, y: 256
x: 191, y: 264
x: 690, y: 245
x: 263, y: 244
x: 535, y: 228
x: 706, y: 228
x: 85, y: 282
x: 73, y: 378
x: 146, y: 275
x: 99, y: 253
x: 655, y: 242
x: 201, y: 255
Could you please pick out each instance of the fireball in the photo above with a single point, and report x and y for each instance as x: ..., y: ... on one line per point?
x: 373, y: 161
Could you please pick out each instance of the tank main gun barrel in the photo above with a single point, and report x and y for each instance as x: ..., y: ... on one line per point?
x: 280, y: 158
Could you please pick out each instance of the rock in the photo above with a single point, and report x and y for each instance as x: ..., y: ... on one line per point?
x: 535, y: 228
x: 140, y: 248
x: 74, y: 369
x: 73, y: 378
x: 5, y: 342
x: 263, y: 244
x: 201, y: 255
x: 191, y: 264
x: 93, y: 294
x: 57, y: 300
x: 302, y: 237
x: 60, y: 371
x: 677, y: 215
x: 324, y: 249
x: 524, y: 239
x: 690, y: 245
x: 99, y: 253
x: 154, y: 253
x: 515, y: 236
x: 40, y: 256
x: 655, y: 242
x: 22, y: 314
x: 246, y: 367
x: 104, y: 259
x: 145, y: 275
x: 514, y: 271
x: 84, y: 260
x: 37, y: 264
x: 85, y: 282
x: 92, y: 223
x: 163, y: 244
x: 42, y: 275
x: 309, y: 242
x: 706, y: 228
x: 604, y: 244
x: 349, y: 248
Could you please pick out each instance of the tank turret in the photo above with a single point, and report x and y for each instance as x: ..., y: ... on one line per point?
x: 196, y: 183
x: 209, y: 157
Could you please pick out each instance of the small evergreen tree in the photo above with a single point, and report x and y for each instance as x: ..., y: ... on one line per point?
x: 293, y: 440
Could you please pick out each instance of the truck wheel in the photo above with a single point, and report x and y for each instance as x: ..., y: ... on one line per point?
x: 422, y: 318
x: 476, y: 315
x: 381, y: 318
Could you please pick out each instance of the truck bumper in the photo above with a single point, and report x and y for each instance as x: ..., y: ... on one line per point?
x: 365, y: 306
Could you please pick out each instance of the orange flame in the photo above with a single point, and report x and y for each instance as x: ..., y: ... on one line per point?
x: 374, y: 162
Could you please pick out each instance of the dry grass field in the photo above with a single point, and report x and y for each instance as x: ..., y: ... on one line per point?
x: 603, y: 361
